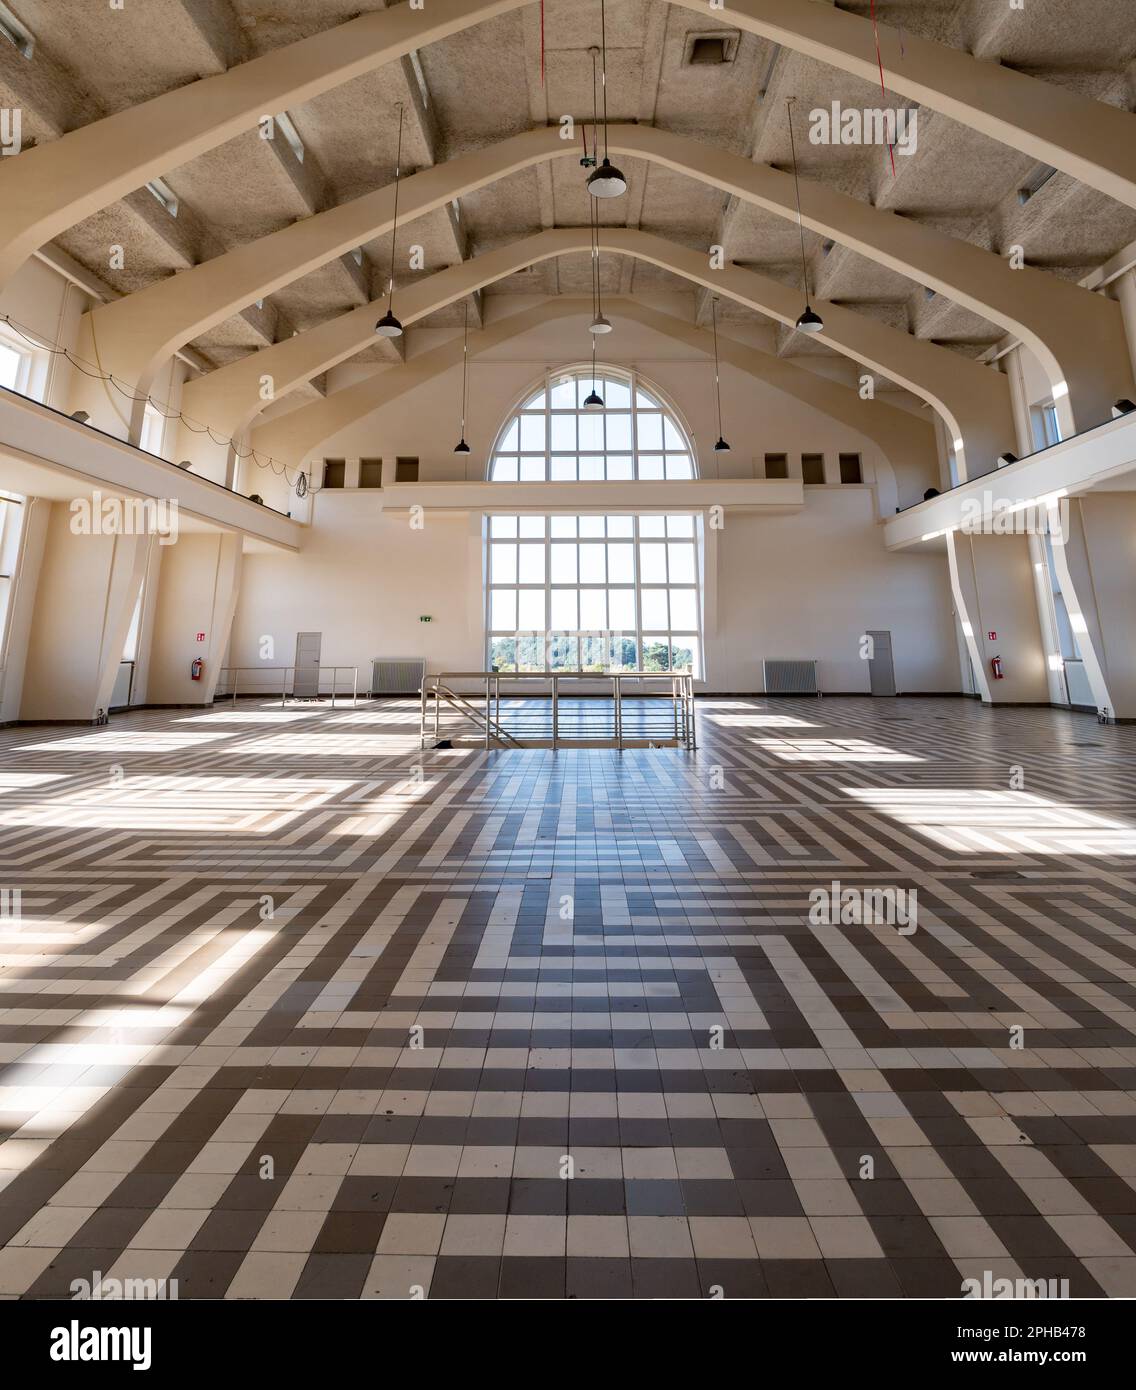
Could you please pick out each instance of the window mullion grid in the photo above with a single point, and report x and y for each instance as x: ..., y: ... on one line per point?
x: 576, y: 632
x: 547, y: 426
x: 635, y: 425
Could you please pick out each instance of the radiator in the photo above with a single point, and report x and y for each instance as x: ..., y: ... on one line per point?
x: 394, y: 675
x: 790, y: 677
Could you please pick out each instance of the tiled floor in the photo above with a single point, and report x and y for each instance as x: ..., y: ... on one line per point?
x: 293, y: 1010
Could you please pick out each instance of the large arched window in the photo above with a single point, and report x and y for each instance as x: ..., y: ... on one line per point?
x: 554, y: 436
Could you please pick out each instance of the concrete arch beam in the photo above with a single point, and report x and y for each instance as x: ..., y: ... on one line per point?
x: 973, y: 400
x: 1077, y: 336
x: 1090, y: 140
x: 54, y: 186
x: 906, y: 441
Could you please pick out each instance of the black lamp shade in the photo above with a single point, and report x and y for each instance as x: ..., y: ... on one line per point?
x: 810, y: 321
x: 606, y: 181
x: 721, y: 447
x: 388, y: 326
x: 462, y: 446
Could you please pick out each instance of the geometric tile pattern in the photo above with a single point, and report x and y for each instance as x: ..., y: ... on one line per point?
x: 291, y: 1009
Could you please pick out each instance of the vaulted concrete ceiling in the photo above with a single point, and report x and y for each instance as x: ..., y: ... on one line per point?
x: 1051, y: 80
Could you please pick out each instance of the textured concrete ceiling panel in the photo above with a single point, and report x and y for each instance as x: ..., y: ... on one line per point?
x: 1090, y: 34
x: 652, y: 279
x: 319, y: 295
x: 146, y: 255
x: 764, y: 238
x: 353, y: 132
x: 476, y: 81
x: 125, y: 56
x: 576, y: 24
x: 1065, y: 227
x: 680, y: 208
x: 508, y: 210
x: 484, y: 85
x: 273, y: 23
x: 230, y: 341
x: 954, y: 170
x: 430, y: 233
x: 536, y: 279
x: 711, y: 101
x: 241, y: 189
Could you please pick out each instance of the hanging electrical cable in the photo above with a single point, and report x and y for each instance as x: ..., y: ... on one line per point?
x: 810, y: 321
x: 462, y: 447
x: 388, y: 326
x: 131, y: 394
x: 599, y: 323
x: 721, y: 447
x: 606, y: 181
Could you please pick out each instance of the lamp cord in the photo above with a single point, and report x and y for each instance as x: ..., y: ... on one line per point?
x: 603, y: 41
x: 595, y: 113
x: 465, y: 367
x: 717, y: 382
x: 797, y: 188
x: 394, y: 227
x: 81, y: 365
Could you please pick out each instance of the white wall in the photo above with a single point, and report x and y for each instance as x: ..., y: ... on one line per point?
x: 811, y: 584
x: 363, y: 580
x: 424, y: 423
x: 41, y: 300
x: 804, y: 585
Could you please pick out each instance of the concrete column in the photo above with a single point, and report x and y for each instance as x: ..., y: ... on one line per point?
x: 1126, y: 294
x: 1019, y: 402
x: 23, y: 561
x: 197, y: 593
x: 1094, y: 553
x: 992, y: 580
x: 88, y: 587
x: 1047, y: 620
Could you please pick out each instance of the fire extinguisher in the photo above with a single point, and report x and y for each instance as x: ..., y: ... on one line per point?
x: 996, y: 668
x: 196, y: 666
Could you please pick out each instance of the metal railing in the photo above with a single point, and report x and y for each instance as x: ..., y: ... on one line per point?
x: 677, y: 687
x: 235, y: 673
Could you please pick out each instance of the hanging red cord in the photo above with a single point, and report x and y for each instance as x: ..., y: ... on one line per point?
x: 883, y: 89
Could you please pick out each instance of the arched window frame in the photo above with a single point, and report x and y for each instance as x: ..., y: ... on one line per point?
x: 676, y: 437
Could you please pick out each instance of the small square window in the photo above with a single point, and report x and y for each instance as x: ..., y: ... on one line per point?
x: 370, y: 472
x: 406, y: 470
x: 776, y: 465
x: 850, y: 470
x: 812, y: 470
x: 333, y: 471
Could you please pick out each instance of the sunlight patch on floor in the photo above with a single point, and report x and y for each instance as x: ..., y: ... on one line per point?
x: 833, y: 750
x: 1002, y: 822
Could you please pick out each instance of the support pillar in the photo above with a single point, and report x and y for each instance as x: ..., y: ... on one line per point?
x: 88, y: 588
x: 1094, y: 553
x: 197, y: 593
x: 992, y: 580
